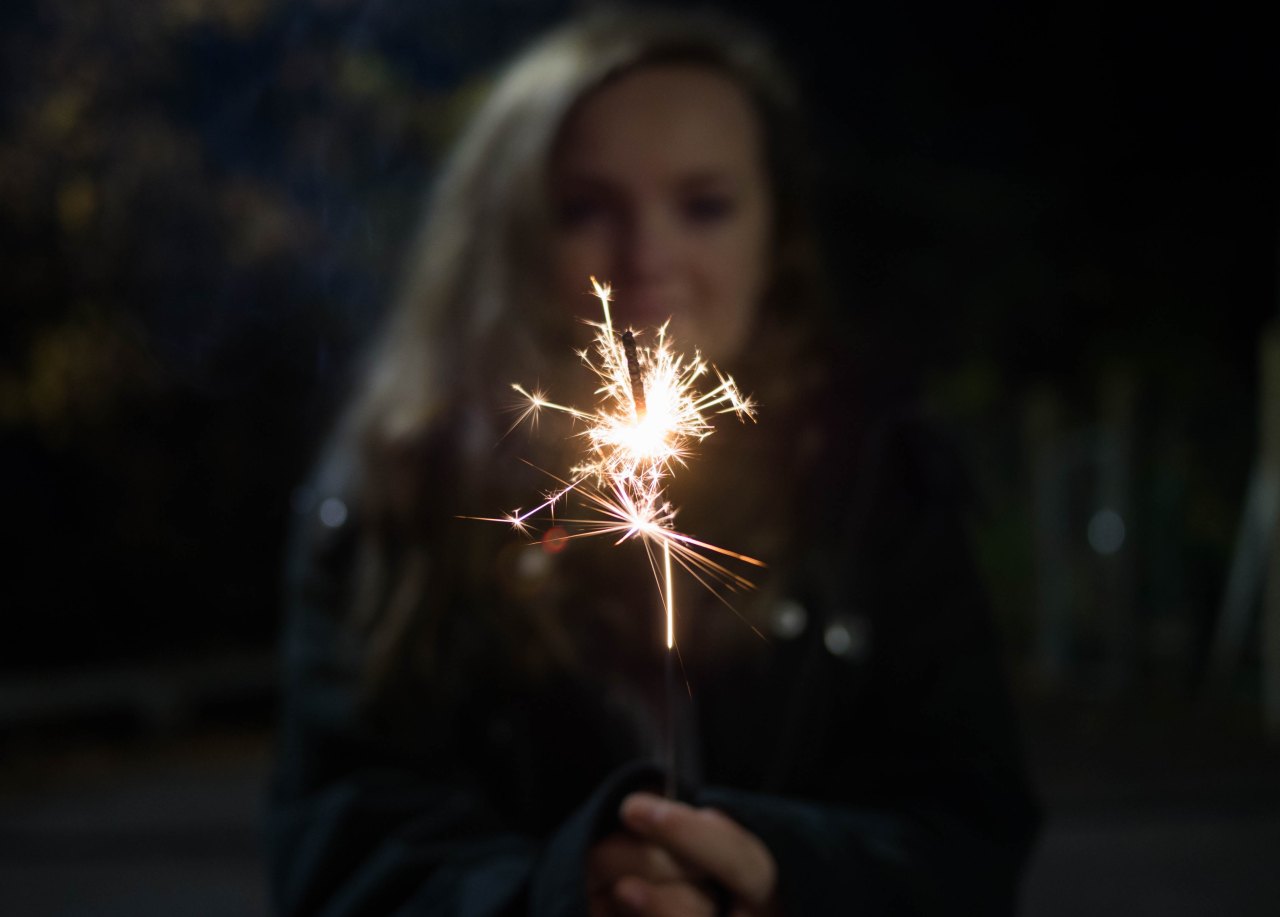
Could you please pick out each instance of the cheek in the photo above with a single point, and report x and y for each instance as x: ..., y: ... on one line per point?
x: 745, y: 264
x: 734, y: 276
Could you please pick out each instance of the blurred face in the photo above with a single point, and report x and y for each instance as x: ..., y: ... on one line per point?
x: 660, y: 189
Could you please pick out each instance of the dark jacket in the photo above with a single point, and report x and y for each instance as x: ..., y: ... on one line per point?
x: 868, y: 741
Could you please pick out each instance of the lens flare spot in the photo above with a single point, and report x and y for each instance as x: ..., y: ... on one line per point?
x: 555, y: 539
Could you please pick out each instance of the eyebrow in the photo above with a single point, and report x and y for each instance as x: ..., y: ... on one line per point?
x: 696, y: 180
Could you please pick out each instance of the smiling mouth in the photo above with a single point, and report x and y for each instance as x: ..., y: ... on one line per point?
x: 645, y: 311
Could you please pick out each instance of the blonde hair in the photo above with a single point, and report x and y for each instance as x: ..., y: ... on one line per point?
x: 476, y: 295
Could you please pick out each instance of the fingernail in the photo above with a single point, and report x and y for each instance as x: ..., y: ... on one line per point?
x: 644, y: 809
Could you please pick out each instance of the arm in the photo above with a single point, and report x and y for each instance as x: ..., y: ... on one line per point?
x: 370, y: 819
x: 358, y: 815
x: 893, y: 780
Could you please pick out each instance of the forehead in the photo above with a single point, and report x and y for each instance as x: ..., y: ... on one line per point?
x: 660, y: 119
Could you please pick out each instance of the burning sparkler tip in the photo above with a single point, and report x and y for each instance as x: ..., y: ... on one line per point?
x: 633, y: 370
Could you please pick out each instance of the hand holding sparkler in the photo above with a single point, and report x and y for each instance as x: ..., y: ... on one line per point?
x: 677, y: 859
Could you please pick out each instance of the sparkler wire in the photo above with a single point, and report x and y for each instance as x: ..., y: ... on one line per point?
x: 648, y: 418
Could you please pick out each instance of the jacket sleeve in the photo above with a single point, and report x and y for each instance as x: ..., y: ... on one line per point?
x: 366, y: 821
x: 911, y: 796
x: 835, y: 860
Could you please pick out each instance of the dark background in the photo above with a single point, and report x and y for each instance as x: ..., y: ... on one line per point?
x: 1061, y: 227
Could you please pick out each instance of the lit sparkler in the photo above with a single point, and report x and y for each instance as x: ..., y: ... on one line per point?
x: 647, y: 421
x: 649, y: 417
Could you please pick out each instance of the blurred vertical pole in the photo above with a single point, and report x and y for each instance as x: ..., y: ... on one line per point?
x: 1255, y: 566
x: 1247, y: 575
x: 1044, y: 444
x: 1269, y: 459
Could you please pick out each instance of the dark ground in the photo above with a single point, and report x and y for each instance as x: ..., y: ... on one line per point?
x: 1152, y: 809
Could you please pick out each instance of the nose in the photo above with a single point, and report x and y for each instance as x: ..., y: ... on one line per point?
x: 648, y: 248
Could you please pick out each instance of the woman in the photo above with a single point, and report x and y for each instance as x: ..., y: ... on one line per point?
x: 469, y: 721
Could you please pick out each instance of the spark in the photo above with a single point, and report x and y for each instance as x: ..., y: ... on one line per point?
x: 648, y: 419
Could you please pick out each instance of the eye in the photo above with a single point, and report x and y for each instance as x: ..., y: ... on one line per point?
x: 707, y: 208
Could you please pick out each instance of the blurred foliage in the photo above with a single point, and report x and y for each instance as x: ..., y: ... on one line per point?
x: 202, y: 205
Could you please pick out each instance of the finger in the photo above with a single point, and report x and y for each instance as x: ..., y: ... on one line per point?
x: 621, y: 854
x: 707, y: 840
x: 663, y: 899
